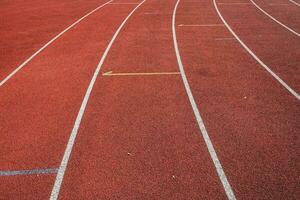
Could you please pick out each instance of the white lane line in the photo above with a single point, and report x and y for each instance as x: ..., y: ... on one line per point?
x: 48, y: 43
x: 29, y: 172
x: 111, y: 73
x: 68, y: 150
x: 202, y: 25
x: 294, y: 2
x: 210, y: 147
x: 293, y: 92
x: 275, y: 20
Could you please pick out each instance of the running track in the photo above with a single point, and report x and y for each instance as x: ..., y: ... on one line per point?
x: 173, y: 99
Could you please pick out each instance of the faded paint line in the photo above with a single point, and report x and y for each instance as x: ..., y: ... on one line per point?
x: 204, y: 25
x: 234, y: 3
x: 29, y: 172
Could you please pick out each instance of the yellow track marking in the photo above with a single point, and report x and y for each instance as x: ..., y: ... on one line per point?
x: 110, y: 73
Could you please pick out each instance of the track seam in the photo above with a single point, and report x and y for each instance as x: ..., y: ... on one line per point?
x: 228, y: 190
x: 293, y: 92
x: 48, y: 43
x: 275, y: 20
x: 68, y: 150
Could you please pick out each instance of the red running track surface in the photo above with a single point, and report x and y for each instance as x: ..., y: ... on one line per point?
x: 139, y: 138
x: 28, y: 25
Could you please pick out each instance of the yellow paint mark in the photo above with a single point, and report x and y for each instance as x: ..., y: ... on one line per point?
x: 110, y: 73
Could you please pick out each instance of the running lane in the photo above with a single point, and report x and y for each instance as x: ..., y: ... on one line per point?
x: 25, y: 26
x: 252, y: 120
x: 39, y: 105
x: 274, y: 45
x: 283, y: 11
x: 138, y: 138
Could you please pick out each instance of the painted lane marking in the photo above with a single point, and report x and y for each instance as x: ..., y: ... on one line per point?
x: 275, y: 20
x: 152, y: 13
x: 71, y: 141
x: 278, y: 4
x: 29, y: 172
x: 210, y: 147
x: 157, y: 13
x: 110, y: 73
x: 228, y: 38
x: 48, y: 43
x: 233, y: 3
x: 293, y: 92
x: 123, y: 3
x: 294, y: 2
x: 201, y: 25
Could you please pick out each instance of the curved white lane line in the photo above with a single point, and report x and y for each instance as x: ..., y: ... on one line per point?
x: 294, y: 2
x: 275, y: 20
x: 68, y: 150
x: 210, y: 147
x: 48, y: 43
x: 293, y: 92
